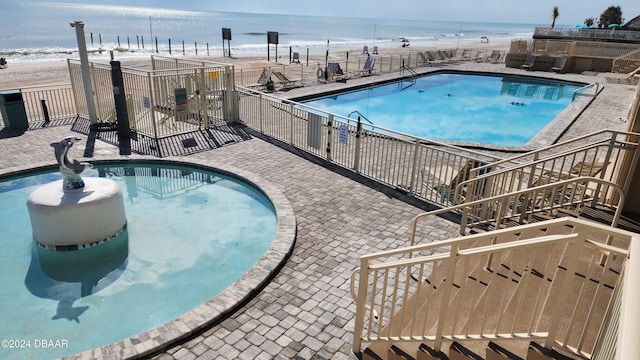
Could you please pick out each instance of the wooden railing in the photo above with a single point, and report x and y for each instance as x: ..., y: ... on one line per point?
x: 560, y: 198
x: 627, y: 63
x: 594, y: 154
x: 551, y: 282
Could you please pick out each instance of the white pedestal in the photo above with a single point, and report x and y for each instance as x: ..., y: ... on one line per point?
x: 76, y: 220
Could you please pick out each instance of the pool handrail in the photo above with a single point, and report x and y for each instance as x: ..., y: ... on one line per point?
x: 576, y: 92
x: 359, y: 116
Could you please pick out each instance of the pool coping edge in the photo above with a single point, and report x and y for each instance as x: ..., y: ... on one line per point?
x: 159, y: 338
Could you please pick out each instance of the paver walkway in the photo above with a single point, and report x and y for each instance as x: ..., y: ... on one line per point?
x: 306, y: 312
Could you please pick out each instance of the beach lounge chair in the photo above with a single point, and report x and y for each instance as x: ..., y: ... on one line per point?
x: 284, y: 81
x: 441, y: 56
x: 449, y: 55
x: 445, y: 180
x: 529, y: 62
x: 296, y: 58
x: 466, y: 54
x: 334, y: 71
x: 365, y: 50
x: 432, y: 57
x: 495, y: 56
x: 368, y: 66
x: 579, y: 169
x: 423, y: 59
x: 263, y: 80
x: 375, y: 50
x: 480, y: 56
x: 561, y: 62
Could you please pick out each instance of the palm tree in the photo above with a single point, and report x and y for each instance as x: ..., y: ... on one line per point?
x: 554, y: 15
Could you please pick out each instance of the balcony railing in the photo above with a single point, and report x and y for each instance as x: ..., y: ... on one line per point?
x: 588, y: 34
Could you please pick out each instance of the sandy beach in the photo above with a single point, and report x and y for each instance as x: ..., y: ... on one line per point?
x: 36, y: 74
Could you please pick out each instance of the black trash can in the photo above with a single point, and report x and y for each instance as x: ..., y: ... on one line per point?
x: 12, y: 109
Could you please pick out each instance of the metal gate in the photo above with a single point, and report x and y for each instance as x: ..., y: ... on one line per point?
x: 160, y: 103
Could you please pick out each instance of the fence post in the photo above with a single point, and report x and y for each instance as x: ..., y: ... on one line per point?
x: 152, y: 103
x: 203, y: 98
x: 291, y: 127
x: 361, y: 301
x: 346, y: 68
x: 356, y: 160
x: 416, y: 152
x: 45, y: 111
x: 329, y: 127
x: 231, y: 97
x: 260, y: 114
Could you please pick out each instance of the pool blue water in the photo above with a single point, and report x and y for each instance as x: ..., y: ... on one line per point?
x: 191, y: 233
x: 506, y: 111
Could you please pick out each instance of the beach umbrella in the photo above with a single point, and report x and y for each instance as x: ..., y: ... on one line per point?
x: 614, y: 26
x: 581, y: 26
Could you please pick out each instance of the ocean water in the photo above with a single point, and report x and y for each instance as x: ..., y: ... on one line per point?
x: 33, y: 31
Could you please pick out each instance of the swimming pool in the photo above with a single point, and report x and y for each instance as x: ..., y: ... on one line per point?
x: 191, y: 233
x: 497, y: 110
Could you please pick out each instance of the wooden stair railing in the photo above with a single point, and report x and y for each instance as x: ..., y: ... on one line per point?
x: 518, y: 283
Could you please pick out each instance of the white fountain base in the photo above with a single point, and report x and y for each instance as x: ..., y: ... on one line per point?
x: 78, y: 219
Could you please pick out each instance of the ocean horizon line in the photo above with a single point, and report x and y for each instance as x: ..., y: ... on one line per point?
x: 131, y: 32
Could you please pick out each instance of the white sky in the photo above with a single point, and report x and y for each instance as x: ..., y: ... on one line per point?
x: 572, y: 12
